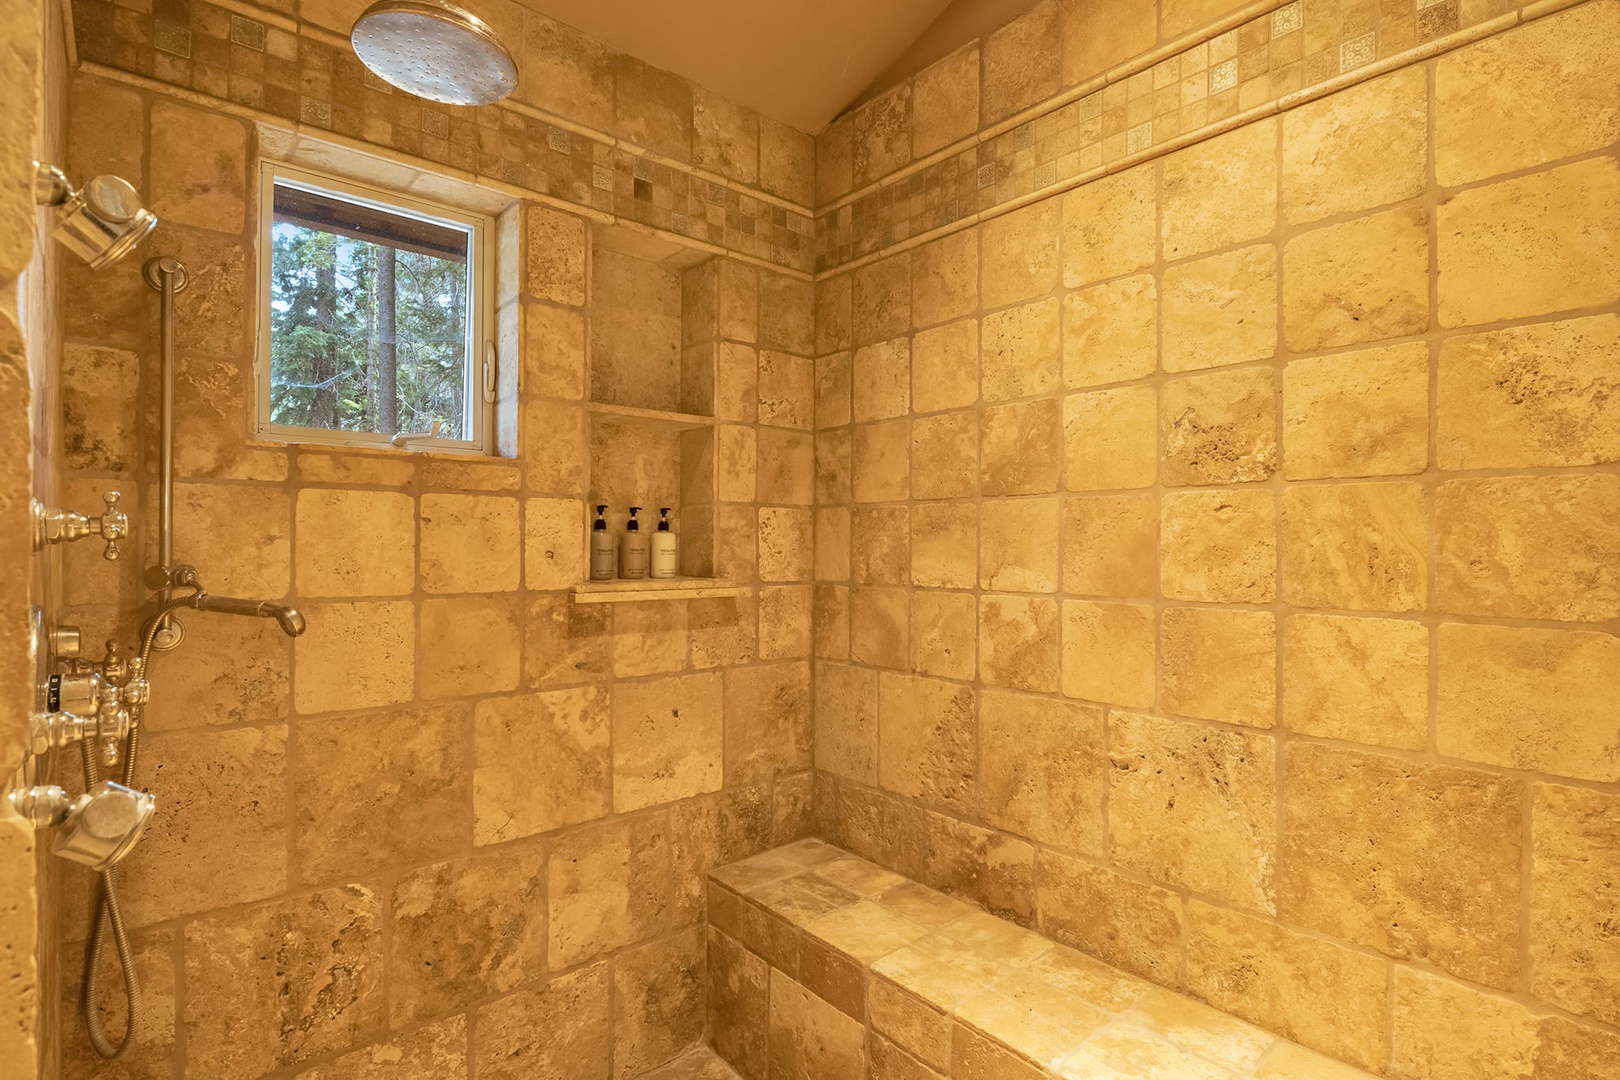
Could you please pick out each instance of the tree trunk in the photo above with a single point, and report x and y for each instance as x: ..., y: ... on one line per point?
x: 324, y: 414
x: 387, y: 343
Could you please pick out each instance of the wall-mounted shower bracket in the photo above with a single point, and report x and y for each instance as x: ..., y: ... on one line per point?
x: 54, y: 526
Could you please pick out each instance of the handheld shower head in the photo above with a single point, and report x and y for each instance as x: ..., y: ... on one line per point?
x: 101, y: 222
x: 289, y: 619
x: 96, y: 829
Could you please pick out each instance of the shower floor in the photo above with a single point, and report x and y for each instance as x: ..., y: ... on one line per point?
x: 699, y: 1064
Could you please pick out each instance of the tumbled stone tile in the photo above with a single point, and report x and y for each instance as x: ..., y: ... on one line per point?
x: 469, y: 642
x: 543, y: 762
x: 658, y: 992
x: 470, y: 543
x: 424, y: 1054
x: 1042, y: 769
x: 945, y: 365
x: 607, y: 885
x: 149, y: 1055
x: 1355, y: 679
x: 1218, y: 545
x: 1220, y: 310
x: 1088, y: 979
x: 1019, y: 255
x: 886, y: 1060
x: 738, y: 1005
x: 551, y: 544
x: 864, y: 879
x: 944, y: 545
x: 577, y: 1040
x: 880, y: 461
x: 938, y: 971
x: 1449, y: 1031
x: 945, y: 101
x: 199, y: 167
x: 801, y: 898
x: 1123, y: 1050
x: 1108, y: 653
x: 846, y: 721
x: 238, y: 672
x: 1020, y: 448
x: 880, y: 380
x: 944, y: 272
x: 810, y: 1039
x: 1018, y: 545
x: 945, y: 456
x: 1318, y: 993
x: 668, y: 739
x: 1110, y: 332
x: 1359, y: 546
x: 279, y: 983
x: 1530, y: 699
x: 865, y: 931
x: 1218, y: 429
x: 882, y: 134
x: 1109, y: 545
x: 785, y: 616
x: 1020, y: 68
x: 1132, y: 926
x: 786, y: 551
x: 723, y: 630
x: 1290, y: 1061
x: 1362, y: 835
x: 767, y: 721
x: 1031, y: 1017
x: 1018, y: 642
x: 1544, y: 547
x: 1356, y: 281
x: 880, y: 627
x: 1530, y: 246
x: 882, y: 300
x: 975, y: 1057
x: 1242, y: 166
x: 1194, y: 807
x: 1577, y: 862
x: 554, y: 255
x: 1096, y: 39
x: 912, y: 1023
x: 1109, y: 439
x: 1110, y: 227
x: 990, y: 869
x: 711, y: 831
x: 1355, y: 414
x: 834, y: 314
x: 238, y: 535
x: 880, y: 544
x: 553, y: 352
x: 926, y: 735
x: 1573, y: 1051
x: 1199, y: 1029
x: 944, y: 634
x: 1361, y: 148
x: 1019, y: 353
x: 1219, y: 665
x: 1547, y: 394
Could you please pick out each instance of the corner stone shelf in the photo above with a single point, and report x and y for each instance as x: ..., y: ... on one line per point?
x: 621, y: 592
x: 660, y: 418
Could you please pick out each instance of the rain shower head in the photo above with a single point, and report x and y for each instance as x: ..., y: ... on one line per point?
x: 434, y: 50
x: 101, y: 222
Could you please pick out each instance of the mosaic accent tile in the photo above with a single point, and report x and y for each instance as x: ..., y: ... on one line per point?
x: 601, y: 178
x: 1139, y: 138
x: 1358, y: 52
x: 172, y: 39
x: 987, y: 175
x: 1286, y: 20
x: 435, y: 123
x: 1223, y: 76
x: 557, y: 139
x: 247, y: 33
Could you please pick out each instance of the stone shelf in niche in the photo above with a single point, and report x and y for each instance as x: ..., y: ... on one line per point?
x: 682, y: 588
x: 658, y: 418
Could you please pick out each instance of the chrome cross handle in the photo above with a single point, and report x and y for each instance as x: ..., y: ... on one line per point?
x: 54, y: 526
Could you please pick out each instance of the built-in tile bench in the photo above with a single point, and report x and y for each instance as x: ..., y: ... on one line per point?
x: 824, y: 966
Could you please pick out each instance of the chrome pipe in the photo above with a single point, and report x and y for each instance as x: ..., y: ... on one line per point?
x: 168, y: 276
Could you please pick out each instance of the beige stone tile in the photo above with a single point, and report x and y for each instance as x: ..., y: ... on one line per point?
x: 1531, y: 246
x: 1199, y: 1029
x: 1219, y: 428
x: 990, y: 869
x: 1448, y: 1031
x: 1109, y: 439
x: 543, y: 762
x: 1018, y: 545
x: 829, y: 616
x: 1547, y: 394
x: 1529, y: 699
x: 435, y: 1050
x: 725, y: 136
x: 1319, y: 993
x: 832, y: 538
x: 801, y: 898
x: 1361, y: 838
x: 355, y: 655
x: 99, y: 418
x: 1110, y: 227
x: 834, y: 313
x: 553, y: 255
x: 668, y: 736
x: 767, y: 722
x: 723, y: 630
x: 578, y: 1043
x: 1110, y: 544
x: 810, y: 1039
x: 786, y: 552
x: 785, y: 615
x: 786, y: 470
x: 881, y: 380
x: 1123, y: 1050
x: 463, y: 930
x: 1530, y: 547
x: 1355, y: 414
x: 975, y: 1057
x: 833, y: 390
x: 880, y: 627
x: 881, y: 304
x: 1219, y: 545
x: 1020, y: 68
x: 920, y: 1029
x: 1109, y: 653
x: 469, y: 543
x: 1031, y: 1017
x: 659, y: 997
x: 1110, y: 332
x: 881, y: 134
x: 1019, y: 255
x: 1096, y: 38
x: 1194, y: 807
x: 324, y: 465
x: 1020, y: 448
x: 607, y: 886
x: 199, y: 167
x: 553, y: 543
x: 564, y: 642
x: 787, y: 390
x: 787, y: 314
x: 1018, y: 642
x: 1358, y: 546
x: 556, y: 459
x: 652, y: 107
x: 1132, y: 926
x: 944, y: 545
x: 1019, y: 354
x: 736, y: 454
x: 1574, y: 1050
x: 1221, y: 309
x: 1361, y: 280
x: 1218, y: 664
x: 1088, y: 979
x: 1290, y: 1061
x: 945, y: 101
x: 738, y: 1004
x: 945, y: 456
x: 1179, y: 16
x: 945, y: 364
x: 865, y: 879
x: 880, y: 469
x: 865, y: 931
x: 938, y: 971
x: 553, y: 352
x: 1042, y: 771
x: 1356, y: 150
x: 1571, y: 900
x: 944, y: 634
x: 787, y: 162
x: 1560, y: 86
x: 375, y: 791
x: 736, y: 382
x: 1359, y: 680
x: 258, y: 982
x: 236, y: 672
x: 237, y: 537
x: 1242, y: 167
x: 927, y: 732
x: 573, y: 71
x: 469, y: 645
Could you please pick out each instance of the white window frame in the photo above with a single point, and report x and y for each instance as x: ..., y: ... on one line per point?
x: 479, y: 403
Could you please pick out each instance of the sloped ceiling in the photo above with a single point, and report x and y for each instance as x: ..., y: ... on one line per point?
x: 797, y: 61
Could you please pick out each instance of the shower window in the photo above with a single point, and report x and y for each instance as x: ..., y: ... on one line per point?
x: 372, y: 317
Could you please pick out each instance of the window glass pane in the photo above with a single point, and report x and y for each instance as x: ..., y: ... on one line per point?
x: 368, y: 318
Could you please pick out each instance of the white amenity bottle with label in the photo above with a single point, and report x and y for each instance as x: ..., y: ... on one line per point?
x: 666, y: 561
x: 602, y: 553
x: 633, y: 549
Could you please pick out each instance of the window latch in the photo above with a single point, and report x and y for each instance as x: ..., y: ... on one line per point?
x: 489, y: 373
x: 409, y: 440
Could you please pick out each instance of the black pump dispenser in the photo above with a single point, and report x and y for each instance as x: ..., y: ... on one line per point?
x: 633, y: 525
x: 600, y: 524
x: 663, y: 519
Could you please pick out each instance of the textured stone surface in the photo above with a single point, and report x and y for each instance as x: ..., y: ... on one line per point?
x: 1361, y: 837
x: 1530, y: 699
x: 1109, y: 545
x: 469, y: 642
x: 926, y: 736
x: 1356, y: 150
x: 1360, y: 680
x: 659, y: 1001
x: 1443, y: 1030
x: 1220, y: 310
x: 1110, y: 227
x: 1194, y: 808
x: 945, y: 361
x: 1218, y: 545
x: 1243, y: 166
x: 1130, y: 925
x: 1108, y: 439
x: 810, y: 1039
x: 738, y: 1004
x: 1041, y: 769
x: 1018, y: 545
x: 1356, y: 281
x: 542, y: 763
x: 944, y: 634
x: 469, y: 543
x: 577, y: 1040
x: 880, y: 380
x: 1359, y: 546
x: 1575, y: 877
x: 944, y: 545
x: 1354, y: 414
x: 1109, y: 332
x: 1018, y: 642
x: 945, y: 101
x: 767, y: 722
x: 945, y: 456
x: 1218, y: 429
x: 1020, y: 448
x: 880, y: 627
x: 1218, y: 664
x: 1019, y: 66
x: 1019, y: 255
x: 1019, y: 353
x: 607, y: 885
x: 428, y: 1052
x: 1108, y: 653
x: 667, y: 737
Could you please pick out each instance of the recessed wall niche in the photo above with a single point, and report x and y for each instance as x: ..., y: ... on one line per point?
x: 652, y: 402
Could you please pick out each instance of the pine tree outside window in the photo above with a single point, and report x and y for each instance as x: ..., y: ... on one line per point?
x: 372, y: 316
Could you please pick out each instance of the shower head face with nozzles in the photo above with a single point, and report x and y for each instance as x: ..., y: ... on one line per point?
x: 434, y: 50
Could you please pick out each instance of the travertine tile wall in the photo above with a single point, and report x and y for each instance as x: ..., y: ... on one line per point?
x: 1218, y: 566
x: 459, y: 828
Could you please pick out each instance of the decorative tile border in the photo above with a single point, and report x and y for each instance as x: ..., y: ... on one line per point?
x: 301, y: 78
